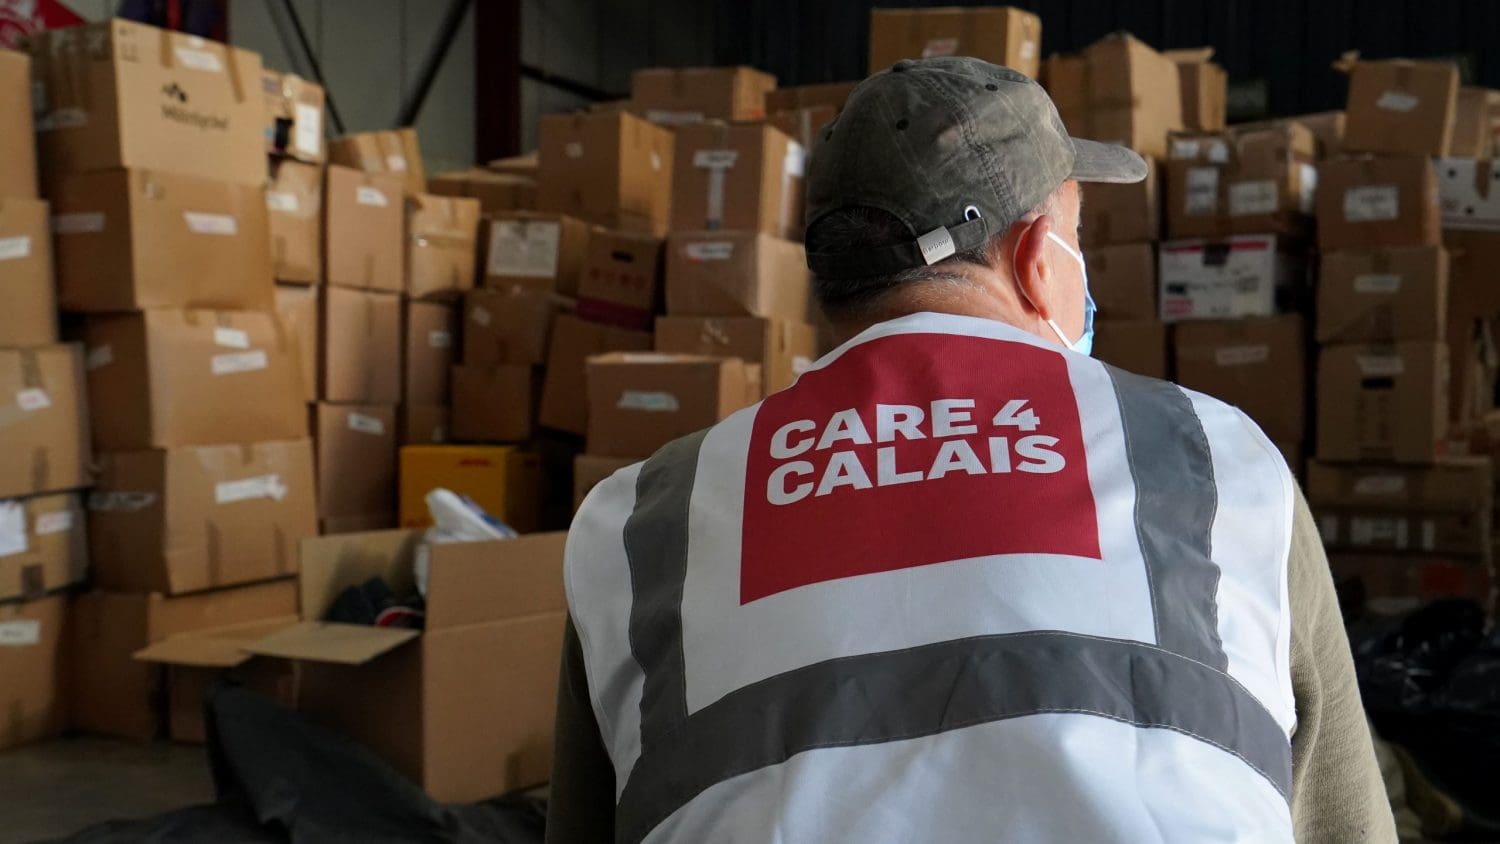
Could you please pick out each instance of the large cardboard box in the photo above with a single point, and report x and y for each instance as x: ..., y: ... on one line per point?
x: 783, y: 348
x: 430, y: 330
x: 134, y: 239
x: 1385, y: 402
x: 502, y: 479
x: 29, y: 317
x: 1122, y: 279
x: 197, y: 661
x: 1205, y: 89
x: 612, y: 169
x: 493, y: 404
x: 18, y: 165
x: 297, y: 311
x: 496, y: 192
x: 1401, y: 107
x: 674, y: 96
x: 187, y: 519
x: 589, y: 470
x: 998, y: 34
x: 1445, y: 509
x: 1134, y: 345
x: 355, y: 449
x: 46, y: 447
x: 639, y: 402
x: 1247, y: 275
x: 121, y: 94
x: 442, y: 234
x: 294, y: 205
x: 1259, y: 365
x: 1383, y: 295
x: 294, y: 116
x: 803, y: 124
x: 564, y: 405
x: 1118, y: 90
x: 362, y: 230
x: 744, y: 177
x: 535, y: 250
x: 163, y: 378
x: 621, y: 279
x: 507, y: 326
x: 1473, y: 317
x: 42, y: 545
x: 1373, y: 202
x: 34, y: 664
x: 1466, y: 196
x: 423, y: 424
x: 802, y: 111
x: 393, y: 152
x: 724, y: 273
x: 1259, y: 181
x: 360, y: 360
x: 1474, y: 123
x: 1128, y: 213
x: 465, y: 707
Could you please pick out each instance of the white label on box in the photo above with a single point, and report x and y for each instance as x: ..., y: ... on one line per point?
x: 1185, y: 148
x: 655, y: 161
x: 1467, y: 201
x: 12, y: 248
x: 1397, y: 101
x: 1429, y: 535
x: 439, y: 338
x: 56, y: 522
x: 673, y: 118
x: 1371, y: 203
x: 1257, y: 197
x: 480, y: 315
x: 1380, y: 366
x: 367, y: 195
x: 199, y: 59
x: 1202, y: 191
x: 800, y: 364
x: 307, y: 129
x: 63, y: 118
x: 796, y: 160
x: 277, y: 200
x: 1218, y: 152
x: 12, y: 528
x: 1242, y: 355
x: 1377, y: 283
x: 1380, y: 485
x: 1239, y: 281
x: 365, y: 424
x: 573, y: 149
x: 709, y: 250
x: 99, y: 356
x: 33, y: 398
x: 439, y: 434
x: 20, y: 633
x: 1028, y: 49
x: 120, y: 501
x: 395, y: 163
x: 199, y: 222
x: 646, y: 357
x: 83, y: 222
x: 238, y: 362
x: 715, y: 159
x: 940, y: 47
x: 231, y: 338
x: 654, y: 401
x: 1307, y: 188
x: 525, y: 250
x: 247, y: 489
x: 1378, y: 530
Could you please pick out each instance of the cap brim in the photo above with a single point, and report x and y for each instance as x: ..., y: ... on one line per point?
x: 1096, y: 162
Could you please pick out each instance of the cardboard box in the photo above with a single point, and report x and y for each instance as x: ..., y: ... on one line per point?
x: 355, y: 449
x: 1122, y: 279
x: 393, y: 152
x: 187, y: 519
x: 784, y: 349
x: 1128, y: 213
x: 507, y: 326
x: 803, y: 124
x: 515, y: 165
x: 1466, y: 196
x: 639, y: 402
x: 1474, y: 123
x: 423, y: 424
x: 744, y: 177
x: 430, y: 330
x: 442, y: 236
x: 826, y: 95
x: 134, y: 239
x: 1387, y: 402
x: 34, y: 665
x: 1328, y: 128
x: 1374, y: 202
x: 1134, y: 345
x: 1253, y: 181
x: 362, y: 230
x: 564, y: 405
x: 1247, y: 275
x: 46, y: 423
x: 493, y: 404
x: 294, y: 116
x: 360, y: 359
x: 726, y: 273
x: 297, y: 311
x: 1396, y: 584
x: 621, y: 279
x: 117, y: 94
x: 29, y: 317
x: 611, y: 169
x: 1258, y: 365
x: 496, y: 192
x: 1118, y: 90
x: 42, y: 545
x: 535, y: 250
x: 1204, y: 86
x: 196, y: 662
x: 1445, y: 509
x: 675, y: 96
x: 427, y: 701
x: 589, y: 470
x: 998, y: 34
x: 18, y: 165
x: 501, y: 479
x: 1401, y: 107
x: 294, y: 209
x: 1473, y: 320
x: 1383, y: 295
x: 111, y: 693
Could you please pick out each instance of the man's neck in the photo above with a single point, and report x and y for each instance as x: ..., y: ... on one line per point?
x: 955, y: 300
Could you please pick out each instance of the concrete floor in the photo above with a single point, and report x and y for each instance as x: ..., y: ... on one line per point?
x: 58, y: 787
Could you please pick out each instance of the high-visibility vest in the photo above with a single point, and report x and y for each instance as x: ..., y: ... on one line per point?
x: 955, y: 584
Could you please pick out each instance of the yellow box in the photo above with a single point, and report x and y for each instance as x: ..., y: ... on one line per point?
x: 502, y: 479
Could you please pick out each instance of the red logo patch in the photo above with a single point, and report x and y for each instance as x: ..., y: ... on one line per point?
x: 912, y: 450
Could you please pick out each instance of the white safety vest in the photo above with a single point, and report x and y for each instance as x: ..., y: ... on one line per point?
x: 956, y: 584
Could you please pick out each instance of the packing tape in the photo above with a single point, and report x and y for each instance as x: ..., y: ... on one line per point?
x: 283, y: 563
x: 1380, y: 260
x: 41, y: 468
x: 715, y: 216
x: 215, y: 541
x: 31, y: 369
x: 33, y: 583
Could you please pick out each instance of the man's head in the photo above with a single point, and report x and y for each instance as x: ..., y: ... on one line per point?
x: 950, y: 184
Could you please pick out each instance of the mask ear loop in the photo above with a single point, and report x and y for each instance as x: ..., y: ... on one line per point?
x: 1068, y: 344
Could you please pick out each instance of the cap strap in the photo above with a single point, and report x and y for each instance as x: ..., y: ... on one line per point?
x: 864, y: 263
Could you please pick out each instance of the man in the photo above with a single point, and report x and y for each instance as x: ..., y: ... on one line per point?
x: 960, y: 582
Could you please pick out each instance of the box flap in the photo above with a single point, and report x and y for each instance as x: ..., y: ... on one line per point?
x: 317, y: 641
x: 220, y: 647
x: 1190, y: 55
x: 474, y: 582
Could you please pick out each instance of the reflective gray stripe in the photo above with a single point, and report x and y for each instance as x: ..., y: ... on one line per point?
x: 1175, y: 502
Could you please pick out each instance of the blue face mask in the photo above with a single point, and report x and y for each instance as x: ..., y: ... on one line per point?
x: 1084, y: 345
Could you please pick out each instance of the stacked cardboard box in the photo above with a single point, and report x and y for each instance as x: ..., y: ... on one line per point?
x: 1120, y: 228
x: 998, y: 34
x: 803, y: 110
x: 1118, y: 90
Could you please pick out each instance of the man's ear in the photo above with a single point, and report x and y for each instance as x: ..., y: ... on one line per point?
x: 1031, y: 271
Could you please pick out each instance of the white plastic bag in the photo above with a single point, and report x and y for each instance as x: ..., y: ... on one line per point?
x: 455, y: 519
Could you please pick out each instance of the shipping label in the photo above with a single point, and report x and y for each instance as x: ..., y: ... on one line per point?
x: 1255, y: 197
x: 439, y: 338
x: 199, y: 59
x: 83, y: 222
x: 709, y: 250
x: 33, y: 398
x: 366, y: 195
x: 228, y: 364
x: 1380, y: 485
x: 365, y: 424
x: 12, y: 527
x: 1242, y: 355
x: 1401, y: 101
x: 59, y: 521
x: 120, y: 501
x: 1379, y: 284
x: 199, y: 222
x: 654, y: 401
x: 282, y: 201
x: 12, y: 248
x: 525, y: 249
x: 20, y: 632
x: 1380, y: 366
x: 231, y: 338
x: 248, y: 489
x: 664, y: 117
x: 307, y: 131
x: 1372, y: 203
x: 1202, y: 198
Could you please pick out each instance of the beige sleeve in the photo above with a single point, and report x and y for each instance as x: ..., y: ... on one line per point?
x: 1337, y: 792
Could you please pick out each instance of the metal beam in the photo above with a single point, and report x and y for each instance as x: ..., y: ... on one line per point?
x: 312, y: 62
x: 411, y: 104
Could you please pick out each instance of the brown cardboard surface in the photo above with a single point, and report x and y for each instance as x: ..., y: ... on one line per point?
x: 515, y: 165
x: 1383, y: 295
x: 390, y: 152
x: 121, y: 94
x: 1400, y: 583
x: 442, y: 236
x: 674, y: 96
x: 724, y: 273
x: 496, y: 192
x: 1258, y: 180
x: 132, y: 239
x: 1204, y: 86
x: 294, y: 204
x: 355, y: 448
x: 589, y: 470
x: 495, y: 405
x: 1473, y: 308
x: 1257, y: 364
x: 1375, y: 202
x: 423, y: 424
x: 431, y: 334
x: 29, y: 317
x: 564, y: 405
x: 1134, y: 345
x: 1444, y: 509
x: 535, y: 250
x: 1387, y: 402
x: 803, y: 124
x: 503, y: 480
x: 613, y: 170
x: 1128, y: 213
x: 639, y: 402
x: 621, y: 279
x: 783, y: 348
x: 507, y: 326
x: 1118, y: 90
x: 1401, y: 107
x: 744, y: 177
x: 188, y: 519
x: 216, y: 647
x: 831, y: 95
x: 188, y: 687
x: 294, y: 116
x: 18, y: 178
x: 362, y: 230
x: 1001, y: 35
x: 35, y: 694
x: 45, y: 546
x: 297, y: 310
x: 1122, y: 279
x: 43, y: 421
x: 360, y: 359
x: 1474, y: 122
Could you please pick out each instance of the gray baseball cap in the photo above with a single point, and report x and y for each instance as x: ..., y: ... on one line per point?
x: 956, y: 148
